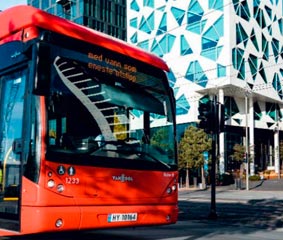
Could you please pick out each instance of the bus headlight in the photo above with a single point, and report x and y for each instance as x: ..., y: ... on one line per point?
x: 174, y: 188
x: 51, y: 183
x: 60, y: 188
x: 171, y: 189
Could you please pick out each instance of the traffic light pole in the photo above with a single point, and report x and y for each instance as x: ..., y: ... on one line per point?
x: 213, y: 214
x: 212, y: 121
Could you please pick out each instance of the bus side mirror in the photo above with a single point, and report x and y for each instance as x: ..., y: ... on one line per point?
x: 43, y: 71
x: 17, y: 146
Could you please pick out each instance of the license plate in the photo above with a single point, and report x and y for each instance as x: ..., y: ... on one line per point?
x: 122, y: 217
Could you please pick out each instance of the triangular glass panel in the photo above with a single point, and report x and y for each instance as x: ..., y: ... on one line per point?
x: 252, y: 60
x: 216, y: 4
x: 178, y: 14
x: 207, y: 43
x: 250, y: 85
x: 155, y: 48
x: 254, y: 40
x: 195, y: 7
x: 244, y: 11
x: 276, y: 82
x: 231, y: 107
x: 185, y: 47
x: 275, y: 47
x: 182, y: 105
x: 134, y: 38
x: 144, y: 26
x: 280, y: 25
x: 262, y: 73
x: 269, y: 124
x: 241, y: 34
x: 269, y: 28
x: 268, y: 11
x: 144, y: 45
x: 148, y: 3
x: 163, y: 25
x: 194, y: 27
x: 167, y: 42
x: 238, y: 121
x: 135, y: 6
x: 134, y: 22
x: 265, y: 48
x: 271, y: 110
x: 257, y: 112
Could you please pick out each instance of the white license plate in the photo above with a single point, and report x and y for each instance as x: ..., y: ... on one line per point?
x: 122, y: 217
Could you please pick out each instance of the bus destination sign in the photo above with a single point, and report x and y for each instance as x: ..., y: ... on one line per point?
x: 112, y: 67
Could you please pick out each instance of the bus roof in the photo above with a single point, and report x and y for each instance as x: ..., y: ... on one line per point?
x: 20, y: 17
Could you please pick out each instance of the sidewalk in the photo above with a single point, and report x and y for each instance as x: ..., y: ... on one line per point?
x: 263, y: 185
x: 258, y: 190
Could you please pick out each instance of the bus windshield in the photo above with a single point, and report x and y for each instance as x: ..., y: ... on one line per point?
x: 98, y: 113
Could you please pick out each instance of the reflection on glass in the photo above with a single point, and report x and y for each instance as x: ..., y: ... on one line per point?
x: 87, y: 115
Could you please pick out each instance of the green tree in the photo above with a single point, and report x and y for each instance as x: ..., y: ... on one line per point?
x: 239, y: 153
x: 190, y: 150
x: 239, y: 156
x: 281, y: 150
x: 161, y: 139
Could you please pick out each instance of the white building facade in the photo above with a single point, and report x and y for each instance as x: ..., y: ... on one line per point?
x: 231, y: 49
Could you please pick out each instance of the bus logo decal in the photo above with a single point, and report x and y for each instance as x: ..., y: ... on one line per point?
x: 123, y: 178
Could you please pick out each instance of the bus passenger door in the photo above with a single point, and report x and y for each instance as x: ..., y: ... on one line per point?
x: 12, y: 89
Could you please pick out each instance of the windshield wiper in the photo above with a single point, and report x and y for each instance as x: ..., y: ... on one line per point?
x: 139, y: 153
x: 122, y: 146
x: 102, y: 143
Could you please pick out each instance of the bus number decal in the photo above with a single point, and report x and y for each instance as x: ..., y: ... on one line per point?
x: 72, y: 180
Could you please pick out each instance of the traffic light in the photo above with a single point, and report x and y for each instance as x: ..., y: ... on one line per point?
x: 207, y: 117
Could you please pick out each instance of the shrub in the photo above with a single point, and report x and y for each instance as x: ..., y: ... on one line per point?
x: 254, y: 178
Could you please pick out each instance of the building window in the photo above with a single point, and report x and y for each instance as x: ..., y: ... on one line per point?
x: 221, y: 70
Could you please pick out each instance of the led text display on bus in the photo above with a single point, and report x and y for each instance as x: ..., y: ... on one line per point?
x: 112, y: 66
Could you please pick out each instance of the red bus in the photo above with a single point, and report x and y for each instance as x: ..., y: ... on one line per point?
x: 87, y: 129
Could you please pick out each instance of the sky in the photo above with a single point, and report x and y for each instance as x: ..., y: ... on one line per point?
x: 4, y: 4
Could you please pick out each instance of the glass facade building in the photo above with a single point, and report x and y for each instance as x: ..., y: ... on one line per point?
x: 106, y: 16
x: 229, y: 49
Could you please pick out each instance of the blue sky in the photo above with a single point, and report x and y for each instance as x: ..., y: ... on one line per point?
x: 4, y: 4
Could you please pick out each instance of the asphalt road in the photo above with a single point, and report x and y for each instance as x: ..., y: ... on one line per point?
x: 183, y: 230
x: 253, y: 215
